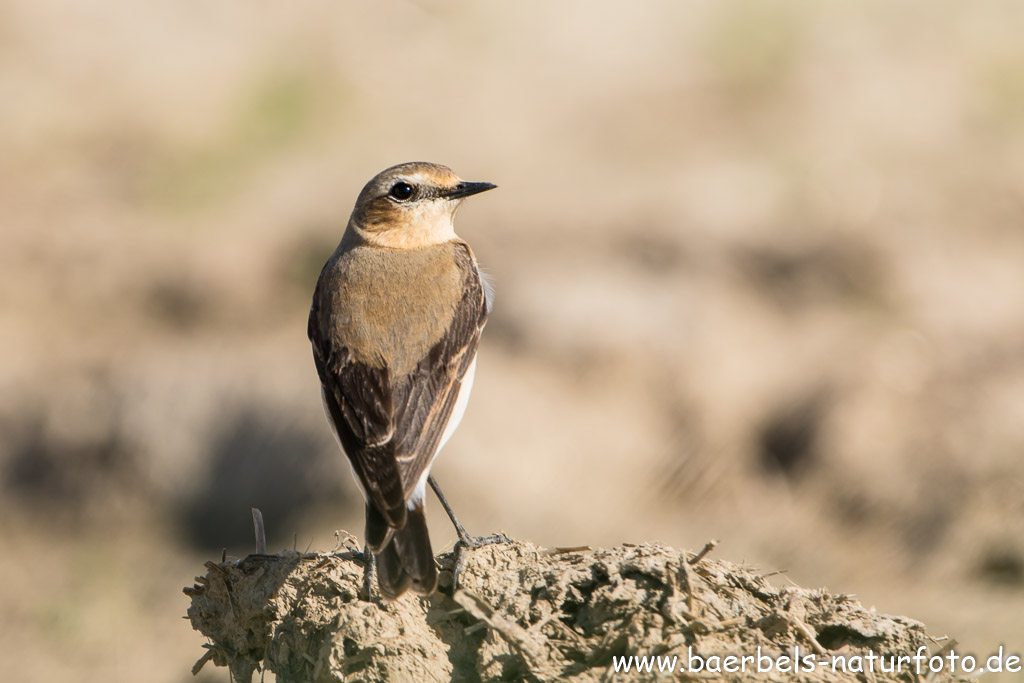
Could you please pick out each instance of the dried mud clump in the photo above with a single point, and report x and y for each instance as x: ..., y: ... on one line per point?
x: 526, y: 613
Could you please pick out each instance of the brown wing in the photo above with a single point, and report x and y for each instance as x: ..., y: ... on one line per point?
x: 391, y: 427
x: 424, y: 400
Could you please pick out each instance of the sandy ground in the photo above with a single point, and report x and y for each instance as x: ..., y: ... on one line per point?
x: 759, y: 270
x: 306, y: 616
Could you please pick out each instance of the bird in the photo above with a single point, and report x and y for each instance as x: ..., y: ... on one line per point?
x: 395, y: 323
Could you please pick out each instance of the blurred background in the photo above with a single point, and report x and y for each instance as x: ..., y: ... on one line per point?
x: 759, y: 273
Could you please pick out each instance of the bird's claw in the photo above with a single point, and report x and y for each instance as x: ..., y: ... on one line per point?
x: 465, y: 545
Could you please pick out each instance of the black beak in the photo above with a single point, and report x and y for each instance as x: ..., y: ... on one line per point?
x: 466, y: 189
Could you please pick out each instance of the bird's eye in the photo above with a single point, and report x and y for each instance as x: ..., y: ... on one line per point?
x: 401, y: 191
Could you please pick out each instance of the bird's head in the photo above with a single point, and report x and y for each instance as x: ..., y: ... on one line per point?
x: 411, y: 205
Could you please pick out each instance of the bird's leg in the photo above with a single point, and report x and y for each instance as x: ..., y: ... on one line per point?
x: 465, y: 542
x: 368, y: 572
x: 470, y: 542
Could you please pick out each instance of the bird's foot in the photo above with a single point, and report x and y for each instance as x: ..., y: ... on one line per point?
x: 465, y: 545
x: 369, y: 575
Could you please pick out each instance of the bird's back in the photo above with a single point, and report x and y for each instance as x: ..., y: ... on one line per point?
x: 390, y: 304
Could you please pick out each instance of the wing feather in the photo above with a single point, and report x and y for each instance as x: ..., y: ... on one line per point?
x: 391, y: 427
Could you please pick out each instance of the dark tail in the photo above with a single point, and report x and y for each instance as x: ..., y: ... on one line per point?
x: 407, y: 561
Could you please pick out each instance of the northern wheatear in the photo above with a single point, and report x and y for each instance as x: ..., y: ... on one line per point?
x: 395, y: 322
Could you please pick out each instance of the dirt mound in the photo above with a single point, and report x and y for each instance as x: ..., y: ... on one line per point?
x: 528, y: 613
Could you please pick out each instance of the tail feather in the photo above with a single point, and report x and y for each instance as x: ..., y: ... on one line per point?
x: 407, y: 561
x: 378, y: 533
x: 413, y: 546
x: 391, y: 575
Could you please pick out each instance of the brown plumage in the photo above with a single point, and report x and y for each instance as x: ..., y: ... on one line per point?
x: 395, y: 321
